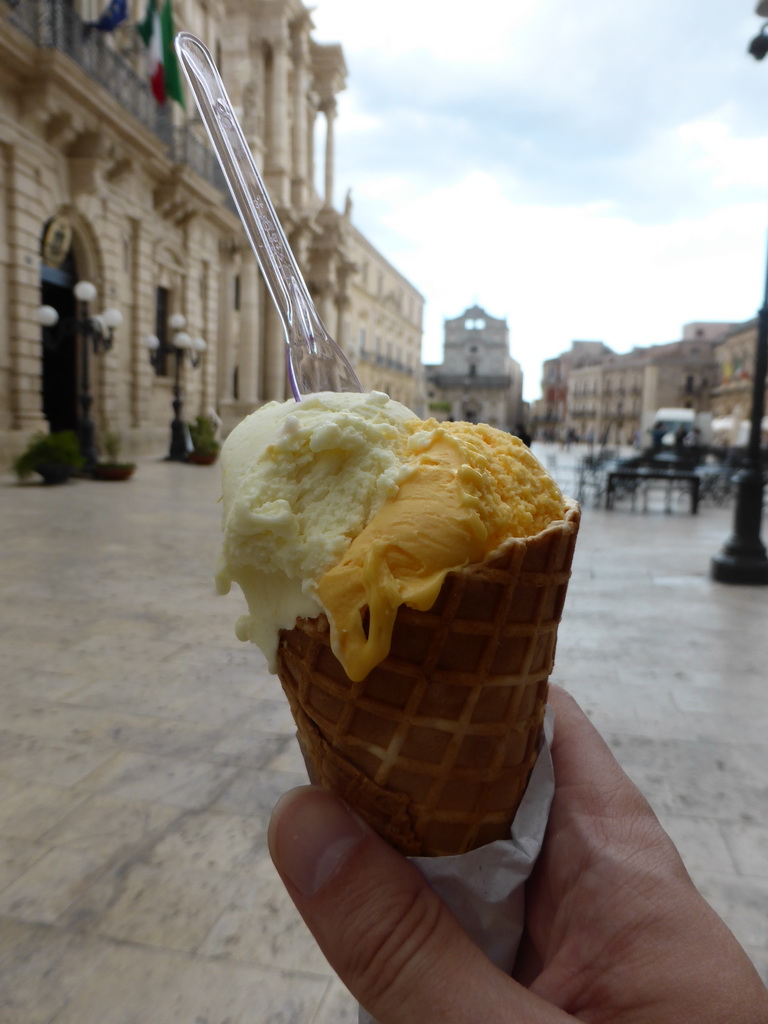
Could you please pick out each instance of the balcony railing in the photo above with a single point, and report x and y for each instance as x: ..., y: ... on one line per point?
x: 53, y: 24
x: 385, y: 361
x: 456, y: 380
x: 188, y: 149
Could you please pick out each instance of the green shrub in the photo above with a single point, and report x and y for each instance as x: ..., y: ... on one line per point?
x: 60, y: 448
x: 203, y: 433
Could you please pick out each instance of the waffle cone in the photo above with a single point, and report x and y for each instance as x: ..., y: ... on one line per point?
x: 434, y: 747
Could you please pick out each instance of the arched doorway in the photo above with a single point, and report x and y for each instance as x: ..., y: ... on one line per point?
x: 59, y: 383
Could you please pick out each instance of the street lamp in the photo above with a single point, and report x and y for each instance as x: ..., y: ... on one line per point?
x: 759, y: 45
x: 92, y: 333
x: 743, y: 557
x: 182, y: 344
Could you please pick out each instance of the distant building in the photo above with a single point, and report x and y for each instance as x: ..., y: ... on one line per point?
x: 551, y: 410
x: 382, y: 325
x: 610, y: 399
x: 478, y: 380
x: 732, y: 393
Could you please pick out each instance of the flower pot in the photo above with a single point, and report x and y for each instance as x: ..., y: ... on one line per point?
x: 54, y: 472
x: 203, y: 458
x: 105, y: 471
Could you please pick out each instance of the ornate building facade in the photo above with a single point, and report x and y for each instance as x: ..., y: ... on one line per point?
x: 478, y: 380
x: 99, y: 183
x: 550, y: 415
x: 382, y: 326
x: 733, y: 391
x: 599, y: 395
x: 612, y: 398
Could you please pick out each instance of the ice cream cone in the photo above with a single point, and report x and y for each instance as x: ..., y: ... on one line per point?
x: 435, y: 745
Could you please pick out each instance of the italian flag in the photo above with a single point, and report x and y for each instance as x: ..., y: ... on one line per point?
x: 157, y: 32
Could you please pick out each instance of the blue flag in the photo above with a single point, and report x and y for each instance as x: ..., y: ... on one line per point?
x: 113, y: 15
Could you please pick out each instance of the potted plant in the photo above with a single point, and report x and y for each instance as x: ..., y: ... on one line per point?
x: 112, y: 468
x: 54, y: 456
x: 205, y: 446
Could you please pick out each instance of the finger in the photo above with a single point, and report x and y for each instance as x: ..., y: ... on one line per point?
x: 584, y: 762
x: 389, y: 937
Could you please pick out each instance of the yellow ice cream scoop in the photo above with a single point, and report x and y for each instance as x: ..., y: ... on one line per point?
x: 466, y: 488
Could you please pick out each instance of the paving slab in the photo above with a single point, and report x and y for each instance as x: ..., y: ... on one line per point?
x: 142, y: 747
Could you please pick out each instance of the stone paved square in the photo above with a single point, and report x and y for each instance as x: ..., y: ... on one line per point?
x: 142, y: 746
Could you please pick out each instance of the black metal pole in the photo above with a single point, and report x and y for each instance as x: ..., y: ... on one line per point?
x: 85, y: 429
x: 178, y: 451
x: 743, y: 558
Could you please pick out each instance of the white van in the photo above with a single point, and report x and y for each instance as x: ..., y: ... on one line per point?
x: 674, y: 418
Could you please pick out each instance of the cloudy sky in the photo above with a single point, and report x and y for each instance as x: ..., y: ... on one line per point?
x: 593, y: 170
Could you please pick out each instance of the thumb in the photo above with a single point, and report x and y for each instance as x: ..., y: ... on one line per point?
x: 391, y: 940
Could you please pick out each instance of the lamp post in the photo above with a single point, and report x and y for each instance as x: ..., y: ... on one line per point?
x: 182, y: 344
x: 94, y: 333
x: 743, y: 557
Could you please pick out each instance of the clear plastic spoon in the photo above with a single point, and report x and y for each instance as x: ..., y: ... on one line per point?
x: 314, y: 360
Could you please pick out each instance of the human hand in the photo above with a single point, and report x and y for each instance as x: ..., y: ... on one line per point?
x: 616, y: 931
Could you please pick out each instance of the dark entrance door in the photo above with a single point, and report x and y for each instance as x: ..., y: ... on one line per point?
x: 60, y: 355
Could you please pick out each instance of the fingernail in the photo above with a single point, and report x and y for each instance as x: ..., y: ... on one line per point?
x: 311, y: 834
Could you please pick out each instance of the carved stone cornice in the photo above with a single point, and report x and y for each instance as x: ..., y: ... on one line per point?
x: 329, y: 69
x: 175, y: 201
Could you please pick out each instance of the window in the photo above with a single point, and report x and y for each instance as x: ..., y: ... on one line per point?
x: 236, y: 293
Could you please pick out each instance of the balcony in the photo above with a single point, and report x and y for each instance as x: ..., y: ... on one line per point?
x: 386, y: 362
x: 53, y: 24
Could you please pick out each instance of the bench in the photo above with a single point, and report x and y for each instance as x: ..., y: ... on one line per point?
x: 629, y: 481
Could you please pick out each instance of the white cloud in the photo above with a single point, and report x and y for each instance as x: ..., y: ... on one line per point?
x: 727, y: 161
x: 597, y: 171
x: 557, y: 274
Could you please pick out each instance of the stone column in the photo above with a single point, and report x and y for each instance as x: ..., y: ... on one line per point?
x: 249, y: 359
x: 110, y: 366
x: 278, y: 156
x: 274, y: 345
x: 207, y: 369
x: 339, y: 329
x: 326, y: 307
x: 309, y: 133
x: 143, y: 323
x: 344, y: 269
x: 302, y: 180
x: 225, y: 341
x: 5, y: 331
x: 328, y: 107
x: 24, y: 220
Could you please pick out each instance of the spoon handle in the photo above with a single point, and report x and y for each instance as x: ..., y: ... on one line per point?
x: 314, y: 360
